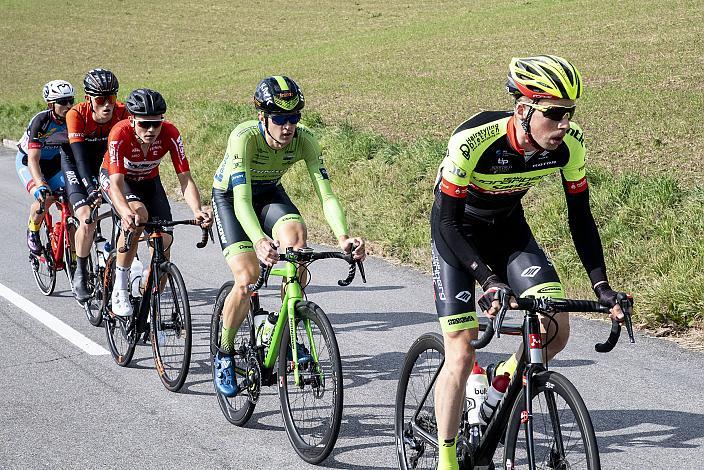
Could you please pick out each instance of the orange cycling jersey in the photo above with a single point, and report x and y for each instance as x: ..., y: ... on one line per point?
x: 82, y: 127
x: 125, y: 155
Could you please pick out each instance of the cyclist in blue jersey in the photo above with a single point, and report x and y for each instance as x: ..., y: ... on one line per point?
x: 38, y: 161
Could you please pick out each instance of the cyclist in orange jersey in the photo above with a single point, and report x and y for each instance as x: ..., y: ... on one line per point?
x: 89, y: 124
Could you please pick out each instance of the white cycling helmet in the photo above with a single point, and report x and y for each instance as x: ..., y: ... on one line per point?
x: 57, y: 89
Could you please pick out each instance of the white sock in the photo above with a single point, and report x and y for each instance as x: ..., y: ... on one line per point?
x: 121, y: 277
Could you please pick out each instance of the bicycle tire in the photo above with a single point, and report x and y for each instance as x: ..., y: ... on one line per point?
x: 569, y: 414
x: 43, y: 267
x: 121, y: 334
x: 171, y: 334
x: 420, y: 366
x: 309, y: 443
x: 69, y: 261
x: 93, y: 306
x: 238, y: 409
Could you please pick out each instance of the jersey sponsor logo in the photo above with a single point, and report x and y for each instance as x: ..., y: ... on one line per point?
x: 453, y: 190
x: 549, y: 290
x: 464, y: 296
x: 141, y: 166
x: 465, y: 319
x: 437, y: 281
x: 75, y: 134
x: 71, y: 177
x: 179, y: 147
x: 219, y: 173
x: 515, y: 182
x: 238, y: 178
x: 577, y: 134
x: 576, y: 187
x: 478, y: 137
x: 218, y: 224
x: 324, y: 172
x: 531, y: 271
x: 457, y: 171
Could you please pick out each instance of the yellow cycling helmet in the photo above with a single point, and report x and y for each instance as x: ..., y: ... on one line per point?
x: 543, y: 76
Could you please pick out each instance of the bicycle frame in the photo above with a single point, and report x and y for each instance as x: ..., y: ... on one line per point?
x: 293, y: 293
x: 64, y: 241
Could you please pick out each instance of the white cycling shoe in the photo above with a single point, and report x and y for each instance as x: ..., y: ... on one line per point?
x: 121, y: 305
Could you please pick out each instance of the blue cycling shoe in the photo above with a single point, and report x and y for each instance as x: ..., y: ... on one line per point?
x: 225, y: 383
x: 302, y: 352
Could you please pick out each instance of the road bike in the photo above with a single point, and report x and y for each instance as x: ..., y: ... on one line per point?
x: 162, y: 313
x: 302, y: 353
x: 557, y: 429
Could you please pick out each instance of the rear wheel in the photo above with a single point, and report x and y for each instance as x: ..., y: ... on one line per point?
x: 415, y: 423
x: 563, y: 435
x: 312, y: 409
x: 121, y: 332
x: 237, y: 409
x: 171, y: 334
x: 43, y: 266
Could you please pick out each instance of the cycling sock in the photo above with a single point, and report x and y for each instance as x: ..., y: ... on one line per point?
x: 81, y: 264
x: 509, y: 365
x: 34, y: 226
x: 447, y: 458
x: 227, y: 339
x: 121, y: 277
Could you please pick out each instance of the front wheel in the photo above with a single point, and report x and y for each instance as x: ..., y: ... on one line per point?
x: 312, y: 409
x: 415, y: 426
x: 171, y: 334
x: 563, y: 435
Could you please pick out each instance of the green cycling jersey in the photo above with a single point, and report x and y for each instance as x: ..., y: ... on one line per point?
x: 251, y: 168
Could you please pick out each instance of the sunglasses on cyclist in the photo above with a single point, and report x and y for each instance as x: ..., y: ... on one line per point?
x: 149, y: 124
x: 64, y: 101
x: 101, y: 100
x: 281, y: 119
x: 555, y: 113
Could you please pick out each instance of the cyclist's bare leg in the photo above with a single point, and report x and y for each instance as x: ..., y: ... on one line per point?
x: 37, y: 218
x: 245, y: 270
x: 294, y: 234
x: 450, y: 385
x: 84, y: 234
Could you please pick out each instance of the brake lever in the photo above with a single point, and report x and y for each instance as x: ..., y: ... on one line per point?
x: 625, y: 301
x: 504, y: 299
x: 361, y: 271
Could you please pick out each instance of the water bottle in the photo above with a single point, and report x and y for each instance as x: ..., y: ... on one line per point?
x: 103, y: 248
x: 136, y: 277
x: 493, y: 397
x: 268, y: 328
x: 260, y: 317
x: 475, y: 393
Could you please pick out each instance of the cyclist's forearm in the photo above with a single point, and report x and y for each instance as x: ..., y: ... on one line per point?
x: 585, y: 236
x: 451, y: 211
x: 33, y: 157
x: 190, y: 192
x: 82, y: 165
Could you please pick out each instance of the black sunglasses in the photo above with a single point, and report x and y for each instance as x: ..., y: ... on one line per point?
x: 555, y: 113
x: 64, y: 101
x: 148, y: 124
x: 281, y: 119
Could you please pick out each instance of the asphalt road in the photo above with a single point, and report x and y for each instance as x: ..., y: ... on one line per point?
x: 61, y: 407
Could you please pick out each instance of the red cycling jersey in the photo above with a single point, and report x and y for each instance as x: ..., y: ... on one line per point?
x: 125, y: 154
x: 82, y: 127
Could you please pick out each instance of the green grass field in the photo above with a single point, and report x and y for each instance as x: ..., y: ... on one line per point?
x: 385, y: 85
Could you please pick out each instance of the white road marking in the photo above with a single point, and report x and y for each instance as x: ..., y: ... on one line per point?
x: 87, y: 345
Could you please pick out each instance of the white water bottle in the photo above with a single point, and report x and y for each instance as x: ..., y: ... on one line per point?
x: 493, y: 397
x: 268, y: 328
x: 475, y: 393
x: 259, y: 319
x: 136, y: 277
x: 103, y: 247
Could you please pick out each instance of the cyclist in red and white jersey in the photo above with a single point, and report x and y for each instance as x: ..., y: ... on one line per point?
x: 130, y: 178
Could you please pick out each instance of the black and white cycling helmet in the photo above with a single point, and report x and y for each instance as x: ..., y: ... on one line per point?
x: 145, y: 102
x: 56, y: 90
x: 100, y: 82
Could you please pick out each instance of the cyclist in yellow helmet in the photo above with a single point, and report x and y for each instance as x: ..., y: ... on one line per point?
x: 479, y: 232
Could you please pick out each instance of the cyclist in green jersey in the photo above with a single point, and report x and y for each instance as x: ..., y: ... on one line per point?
x: 479, y: 232
x: 253, y: 214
